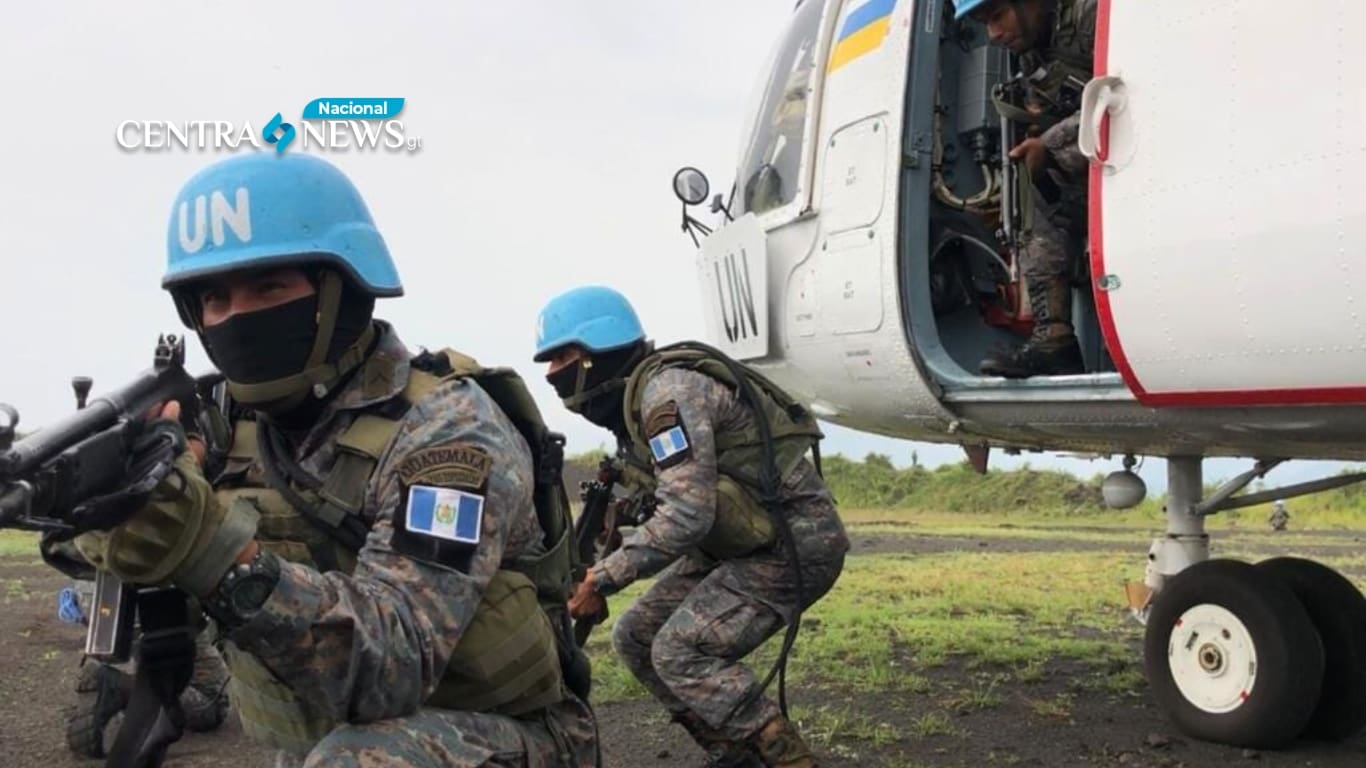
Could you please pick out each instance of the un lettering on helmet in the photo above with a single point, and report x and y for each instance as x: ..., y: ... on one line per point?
x: 257, y: 208
x: 216, y: 209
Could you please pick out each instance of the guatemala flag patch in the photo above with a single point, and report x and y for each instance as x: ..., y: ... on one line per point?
x: 444, y: 513
x: 668, y: 444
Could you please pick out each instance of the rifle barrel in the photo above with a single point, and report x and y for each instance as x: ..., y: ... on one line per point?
x: 149, y: 388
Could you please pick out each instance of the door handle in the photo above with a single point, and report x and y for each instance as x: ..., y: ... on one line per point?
x: 1103, y: 99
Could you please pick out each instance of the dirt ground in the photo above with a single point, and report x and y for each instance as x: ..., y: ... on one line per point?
x: 40, y: 656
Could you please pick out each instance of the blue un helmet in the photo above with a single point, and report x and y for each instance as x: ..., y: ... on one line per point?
x: 594, y: 317
x: 962, y: 8
x: 268, y: 209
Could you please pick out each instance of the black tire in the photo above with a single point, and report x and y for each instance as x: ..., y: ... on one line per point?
x: 1289, y: 656
x: 1338, y: 611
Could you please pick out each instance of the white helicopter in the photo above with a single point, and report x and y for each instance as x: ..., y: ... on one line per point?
x: 862, y: 260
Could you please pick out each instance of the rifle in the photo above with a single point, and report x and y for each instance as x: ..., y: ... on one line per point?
x: 90, y: 471
x: 604, y: 514
x: 1013, y: 204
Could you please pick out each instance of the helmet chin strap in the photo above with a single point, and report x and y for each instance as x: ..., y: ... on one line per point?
x: 318, y: 376
x: 581, y: 396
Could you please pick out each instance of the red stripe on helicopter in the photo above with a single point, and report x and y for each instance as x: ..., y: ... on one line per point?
x: 1320, y: 396
x: 1095, y: 222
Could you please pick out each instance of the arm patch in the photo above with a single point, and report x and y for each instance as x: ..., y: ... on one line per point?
x: 441, y: 511
x: 668, y: 437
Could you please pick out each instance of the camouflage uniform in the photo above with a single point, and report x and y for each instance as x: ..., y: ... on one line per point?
x: 684, y: 638
x: 1052, y: 245
x: 367, y: 649
x: 204, y: 700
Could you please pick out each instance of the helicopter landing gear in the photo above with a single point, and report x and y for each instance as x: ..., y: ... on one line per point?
x: 1247, y: 655
x: 1232, y: 656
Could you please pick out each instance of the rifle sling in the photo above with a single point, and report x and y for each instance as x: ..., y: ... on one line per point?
x: 165, y: 662
x: 282, y: 473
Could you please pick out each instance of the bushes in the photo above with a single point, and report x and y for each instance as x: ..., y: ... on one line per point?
x: 875, y: 483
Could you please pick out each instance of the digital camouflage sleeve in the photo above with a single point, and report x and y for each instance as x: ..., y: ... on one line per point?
x: 374, y: 645
x: 686, y: 479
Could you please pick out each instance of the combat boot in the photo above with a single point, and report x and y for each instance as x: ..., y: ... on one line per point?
x: 780, y: 746
x: 1052, y: 348
x: 721, y: 750
x: 101, y: 693
x: 204, y: 710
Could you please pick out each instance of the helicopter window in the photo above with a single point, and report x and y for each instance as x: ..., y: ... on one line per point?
x: 774, y: 157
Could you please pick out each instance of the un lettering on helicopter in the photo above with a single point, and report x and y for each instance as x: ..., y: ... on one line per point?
x: 866, y: 259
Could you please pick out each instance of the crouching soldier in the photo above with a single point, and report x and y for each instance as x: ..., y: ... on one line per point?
x: 744, y: 534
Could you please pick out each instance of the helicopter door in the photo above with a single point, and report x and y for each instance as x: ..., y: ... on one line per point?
x: 1227, y: 200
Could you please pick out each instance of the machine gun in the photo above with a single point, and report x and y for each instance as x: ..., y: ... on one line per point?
x: 90, y: 471
x: 598, y: 526
x: 54, y: 480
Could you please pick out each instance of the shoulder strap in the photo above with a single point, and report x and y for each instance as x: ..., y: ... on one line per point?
x: 243, y: 440
x: 360, y: 446
x: 333, y: 504
x: 505, y: 386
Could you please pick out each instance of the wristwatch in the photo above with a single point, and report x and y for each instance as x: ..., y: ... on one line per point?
x: 243, y: 590
x: 602, y: 583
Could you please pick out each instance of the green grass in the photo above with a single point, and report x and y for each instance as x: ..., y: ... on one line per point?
x: 831, y: 723
x: 891, y: 619
x: 16, y: 591
x: 1056, y: 707
x: 979, y: 694
x: 1119, y: 528
x: 18, y: 544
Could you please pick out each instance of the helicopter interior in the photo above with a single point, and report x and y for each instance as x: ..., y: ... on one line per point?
x: 977, y: 294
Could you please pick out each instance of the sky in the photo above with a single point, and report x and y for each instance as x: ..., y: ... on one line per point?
x: 550, y: 133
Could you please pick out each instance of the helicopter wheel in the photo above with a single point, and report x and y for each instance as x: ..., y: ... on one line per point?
x: 1338, y: 611
x: 1232, y: 656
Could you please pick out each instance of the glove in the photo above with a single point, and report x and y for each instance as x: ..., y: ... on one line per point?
x: 181, y: 535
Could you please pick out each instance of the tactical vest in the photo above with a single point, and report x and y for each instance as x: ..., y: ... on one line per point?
x: 743, y: 524
x: 509, y: 660
x: 1056, y: 74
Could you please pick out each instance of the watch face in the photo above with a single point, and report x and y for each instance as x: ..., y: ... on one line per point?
x: 251, y: 592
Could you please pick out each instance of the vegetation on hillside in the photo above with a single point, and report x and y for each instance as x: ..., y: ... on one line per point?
x: 876, y: 483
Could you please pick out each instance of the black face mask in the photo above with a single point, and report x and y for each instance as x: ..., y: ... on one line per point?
x: 274, y: 343
x: 564, y: 381
x: 606, y: 378
x: 265, y: 345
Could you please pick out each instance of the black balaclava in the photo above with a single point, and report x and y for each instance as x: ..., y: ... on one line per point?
x: 593, y: 386
x: 275, y: 358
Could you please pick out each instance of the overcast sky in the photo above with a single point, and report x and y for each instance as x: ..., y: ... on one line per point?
x: 550, y: 130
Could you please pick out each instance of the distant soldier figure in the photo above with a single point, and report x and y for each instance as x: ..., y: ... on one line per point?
x: 1279, y: 516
